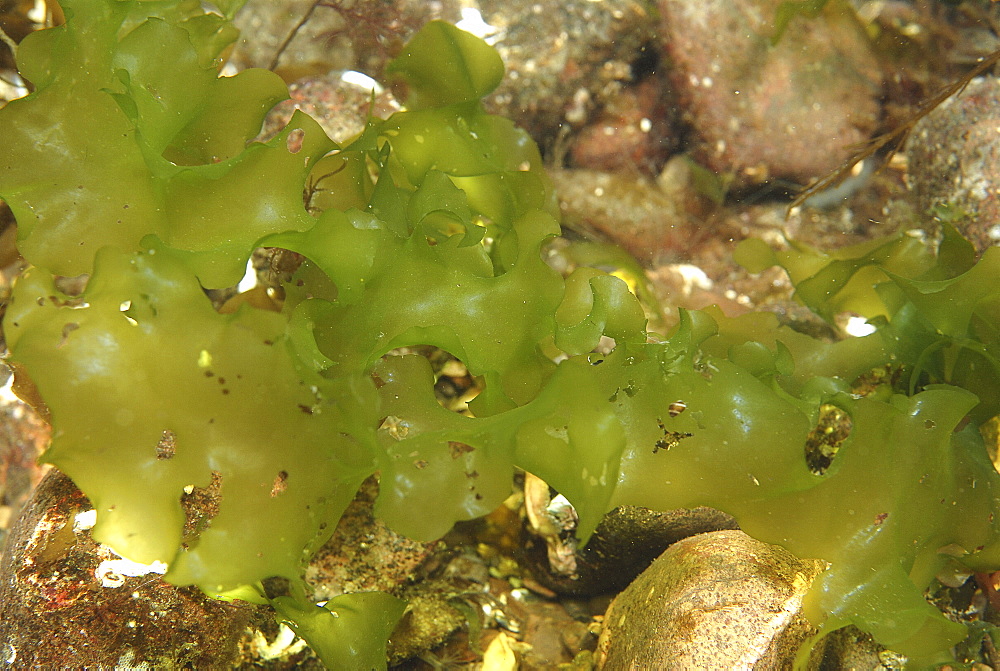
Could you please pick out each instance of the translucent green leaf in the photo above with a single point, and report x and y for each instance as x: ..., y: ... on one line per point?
x: 350, y: 632
x: 444, y: 65
x: 789, y: 9
x: 142, y: 357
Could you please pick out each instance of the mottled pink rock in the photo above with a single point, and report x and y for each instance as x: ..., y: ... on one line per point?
x: 23, y: 436
x: 299, y: 38
x: 634, y: 132
x: 69, y: 602
x: 792, y: 110
x: 341, y: 107
x: 653, y: 221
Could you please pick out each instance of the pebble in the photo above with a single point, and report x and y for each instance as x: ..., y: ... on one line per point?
x: 653, y: 221
x: 720, y: 600
x: 624, y: 544
x: 791, y: 111
x: 634, y: 132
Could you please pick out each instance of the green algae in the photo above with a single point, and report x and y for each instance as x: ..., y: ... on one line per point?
x: 137, y: 171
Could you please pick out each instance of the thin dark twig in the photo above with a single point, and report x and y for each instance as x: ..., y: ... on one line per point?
x: 292, y: 33
x: 313, y: 187
x: 896, y: 137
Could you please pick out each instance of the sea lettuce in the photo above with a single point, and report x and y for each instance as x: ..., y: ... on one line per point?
x: 132, y: 162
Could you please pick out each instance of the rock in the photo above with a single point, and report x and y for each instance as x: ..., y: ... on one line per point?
x: 790, y: 111
x: 341, y: 35
x: 624, y: 544
x: 720, y: 600
x: 428, y: 621
x: 564, y: 60
x: 264, y: 27
x: 341, y: 107
x: 364, y: 555
x: 632, y: 212
x: 553, y: 634
x: 851, y: 648
x: 634, y: 131
x: 67, y: 602
x: 23, y: 437
x: 954, y: 162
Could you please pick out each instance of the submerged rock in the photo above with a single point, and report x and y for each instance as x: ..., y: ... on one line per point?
x: 791, y: 110
x: 720, y: 600
x: 649, y: 221
x: 954, y: 162
x: 633, y: 133
x: 564, y: 60
x: 68, y: 602
x: 624, y: 544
